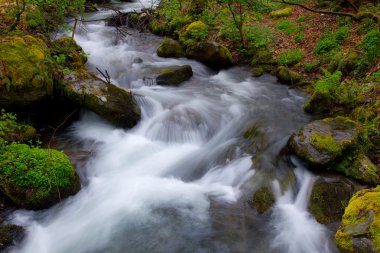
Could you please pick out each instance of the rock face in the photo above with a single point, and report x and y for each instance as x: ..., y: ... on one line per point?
x: 36, y: 178
x: 174, y: 75
x: 323, y: 141
x: 170, y: 48
x: 360, y: 229
x: 107, y: 100
x: 25, y: 71
x: 329, y: 197
x: 210, y: 53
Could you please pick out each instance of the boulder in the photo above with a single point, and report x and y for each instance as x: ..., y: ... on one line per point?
x: 329, y: 197
x: 36, y: 178
x: 263, y: 200
x: 210, y: 53
x: 170, y: 48
x: 321, y: 142
x: 287, y: 76
x: 107, y: 100
x: 285, y: 12
x: 68, y: 53
x: 9, y: 234
x: 25, y: 71
x: 174, y: 75
x: 360, y: 228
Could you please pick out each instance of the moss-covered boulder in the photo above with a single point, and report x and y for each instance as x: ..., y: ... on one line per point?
x: 34, y: 177
x: 263, y: 200
x: 360, y: 229
x: 68, y: 53
x: 25, y: 71
x: 323, y: 141
x: 210, y: 53
x: 285, y: 12
x: 9, y: 235
x: 287, y: 76
x: 319, y: 103
x: 170, y: 48
x: 107, y: 100
x: 258, y: 71
x: 329, y: 197
x: 174, y: 75
x: 358, y: 166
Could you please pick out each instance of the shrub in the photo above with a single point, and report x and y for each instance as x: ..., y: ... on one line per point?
x: 287, y: 26
x: 290, y: 57
x: 325, y: 45
x: 371, y: 45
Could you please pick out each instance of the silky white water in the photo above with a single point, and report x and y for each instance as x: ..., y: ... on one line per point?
x: 178, y: 181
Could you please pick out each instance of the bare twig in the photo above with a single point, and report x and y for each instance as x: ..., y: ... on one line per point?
x: 105, y: 75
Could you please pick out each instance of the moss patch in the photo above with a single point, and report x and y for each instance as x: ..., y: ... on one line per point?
x: 356, y: 216
x: 34, y: 177
x: 25, y: 70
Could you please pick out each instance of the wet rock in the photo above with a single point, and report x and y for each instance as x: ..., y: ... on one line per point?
x: 9, y: 235
x: 360, y: 229
x: 287, y: 76
x: 210, y: 53
x: 323, y: 141
x: 329, y: 197
x: 258, y: 71
x: 170, y: 48
x: 137, y: 60
x: 25, y: 71
x: 263, y: 200
x: 174, y: 75
x: 36, y: 178
x: 107, y: 100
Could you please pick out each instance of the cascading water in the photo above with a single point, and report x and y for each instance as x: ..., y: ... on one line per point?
x: 169, y: 185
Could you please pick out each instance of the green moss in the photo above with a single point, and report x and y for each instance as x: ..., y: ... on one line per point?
x: 196, y: 30
x: 170, y: 48
x: 290, y: 57
x: 325, y: 143
x: 263, y: 199
x: 67, y: 53
x: 357, y: 214
x: 285, y: 12
x: 287, y: 76
x: 11, y: 130
x: 26, y: 74
x: 34, y: 177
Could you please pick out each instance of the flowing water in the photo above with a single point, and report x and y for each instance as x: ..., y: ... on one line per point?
x: 181, y: 179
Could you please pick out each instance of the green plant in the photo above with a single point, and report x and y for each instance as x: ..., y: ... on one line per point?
x: 325, y: 45
x: 301, y: 19
x: 286, y: 26
x: 329, y: 84
x: 310, y: 66
x: 371, y: 45
x: 341, y: 34
x: 290, y: 57
x: 299, y: 37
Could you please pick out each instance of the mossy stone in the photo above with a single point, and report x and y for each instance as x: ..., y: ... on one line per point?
x: 329, y: 197
x: 25, y: 71
x: 36, y: 178
x: 263, y: 200
x: 285, y: 12
x: 211, y: 54
x: 174, y: 75
x: 107, y: 100
x: 73, y: 54
x: 322, y: 142
x: 170, y: 48
x: 361, y: 220
x: 257, y: 71
x: 196, y: 30
x: 319, y: 103
x: 287, y: 76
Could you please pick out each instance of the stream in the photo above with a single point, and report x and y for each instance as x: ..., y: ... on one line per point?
x: 181, y: 180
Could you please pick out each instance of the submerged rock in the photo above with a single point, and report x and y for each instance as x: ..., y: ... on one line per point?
x: 360, y: 229
x: 36, y: 178
x: 9, y: 234
x: 210, y: 53
x: 25, y: 71
x: 174, y: 75
x: 107, y: 100
x: 323, y: 141
x: 263, y: 200
x: 170, y: 48
x: 329, y: 197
